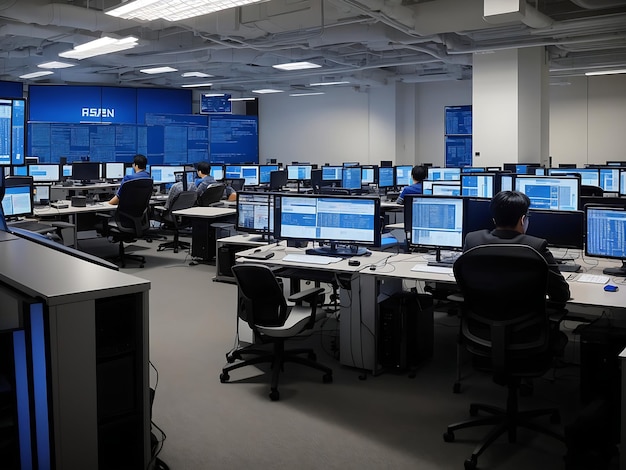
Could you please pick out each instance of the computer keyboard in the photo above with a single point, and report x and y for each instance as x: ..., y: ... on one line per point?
x: 311, y: 259
x: 427, y: 268
x: 592, y: 278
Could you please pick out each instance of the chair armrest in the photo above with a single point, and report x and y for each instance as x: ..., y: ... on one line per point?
x: 60, y: 224
x: 306, y: 295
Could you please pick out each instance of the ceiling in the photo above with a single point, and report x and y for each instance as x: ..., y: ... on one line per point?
x: 365, y: 42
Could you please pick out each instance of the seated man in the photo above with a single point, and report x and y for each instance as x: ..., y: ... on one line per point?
x: 418, y: 173
x: 175, y: 190
x: 509, y: 210
x: 205, y: 180
x: 140, y: 162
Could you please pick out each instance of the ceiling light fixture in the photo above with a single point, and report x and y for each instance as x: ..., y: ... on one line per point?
x: 105, y: 45
x: 36, y: 74
x: 158, y: 70
x: 296, y: 66
x: 150, y: 10
x: 55, y: 65
x: 328, y: 83
x: 605, y: 72
x: 242, y: 99
x: 308, y: 94
x: 196, y: 85
x: 209, y: 95
x: 263, y: 91
x: 195, y: 75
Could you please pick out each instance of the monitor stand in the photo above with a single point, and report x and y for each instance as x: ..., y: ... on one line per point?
x: 444, y: 262
x: 335, y: 249
x: 621, y: 271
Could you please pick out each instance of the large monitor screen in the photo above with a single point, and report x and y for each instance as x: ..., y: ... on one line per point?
x: 250, y: 173
x: 264, y: 173
x: 255, y: 213
x: 45, y: 173
x: 12, y: 131
x: 478, y: 185
x: 434, y: 221
x: 18, y: 196
x: 609, y: 179
x: 437, y: 174
x: 588, y: 176
x: 299, y: 172
x: 562, y: 229
x: 446, y: 188
x: 403, y: 175
x: 550, y: 192
x: 217, y: 171
x: 331, y: 173
x: 164, y: 174
x: 385, y: 177
x: 351, y: 177
x: 343, y: 221
x: 605, y: 235
x: 114, y: 170
x: 86, y: 171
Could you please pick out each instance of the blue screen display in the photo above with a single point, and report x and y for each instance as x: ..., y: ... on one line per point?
x: 606, y: 227
x: 351, y: 177
x: 385, y: 177
x: 403, y: 175
x: 436, y: 221
x: 437, y: 174
x: 264, y: 173
x: 477, y: 185
x: 234, y: 139
x: 332, y: 173
x: 299, y: 172
x: 545, y: 192
x: 12, y: 127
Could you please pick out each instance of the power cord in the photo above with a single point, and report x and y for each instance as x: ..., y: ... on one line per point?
x: 156, y: 444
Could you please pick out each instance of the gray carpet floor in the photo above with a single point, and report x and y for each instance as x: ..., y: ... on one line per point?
x: 388, y: 421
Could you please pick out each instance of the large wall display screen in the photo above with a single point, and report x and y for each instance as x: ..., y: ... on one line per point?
x: 234, y: 139
x: 12, y: 120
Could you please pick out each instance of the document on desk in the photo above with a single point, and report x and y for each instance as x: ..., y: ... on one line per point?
x: 591, y: 278
x: 311, y: 259
x: 423, y: 267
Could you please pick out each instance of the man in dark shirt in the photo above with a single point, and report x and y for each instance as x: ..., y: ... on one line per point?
x: 140, y: 162
x: 509, y: 210
x: 418, y: 174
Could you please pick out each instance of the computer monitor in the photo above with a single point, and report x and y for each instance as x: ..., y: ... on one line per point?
x: 588, y: 176
x: 66, y: 170
x: 402, y: 174
x: 446, y: 174
x: 345, y: 224
x: 521, y: 168
x: 386, y: 177
x: 567, y: 165
x: 561, y: 229
x: 332, y: 173
x: 427, y: 186
x: 217, y: 171
x: 41, y: 194
x: 506, y: 182
x: 351, y: 177
x: 446, y: 189
x: 45, y: 173
x: 473, y: 169
x: 550, y: 192
x: 264, y: 173
x: 164, y: 174
x: 481, y: 185
x: 606, y: 226
x: 369, y: 175
x: 299, y: 172
x: 250, y: 173
x: 19, y: 170
x: 114, y: 170
x: 477, y: 215
x: 255, y: 214
x: 86, y: 171
x: 434, y: 222
x: 278, y: 179
x: 622, y: 182
x: 18, y: 196
x: 616, y: 163
x: 609, y: 179
x: 346, y: 164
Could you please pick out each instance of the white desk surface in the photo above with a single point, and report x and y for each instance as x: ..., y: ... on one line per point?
x: 87, y: 186
x: 206, y: 212
x: 71, y: 210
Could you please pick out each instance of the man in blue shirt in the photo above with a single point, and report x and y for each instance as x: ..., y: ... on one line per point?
x: 140, y: 162
x: 418, y: 173
x: 205, y: 180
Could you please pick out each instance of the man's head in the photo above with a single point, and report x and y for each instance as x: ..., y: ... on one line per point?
x: 204, y: 168
x: 419, y: 173
x: 509, y: 210
x: 140, y: 162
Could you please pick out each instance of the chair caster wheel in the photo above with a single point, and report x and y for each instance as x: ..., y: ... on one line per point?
x: 328, y: 378
x: 224, y: 377
x: 274, y: 395
x: 456, y: 388
x: 473, y: 410
x: 471, y: 463
x: 230, y: 358
x: 555, y: 418
x: 448, y: 436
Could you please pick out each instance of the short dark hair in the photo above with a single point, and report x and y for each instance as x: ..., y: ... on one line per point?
x: 204, y: 168
x: 419, y: 173
x: 507, y: 207
x: 141, y: 161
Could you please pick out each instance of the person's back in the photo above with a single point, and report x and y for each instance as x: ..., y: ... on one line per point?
x: 418, y: 173
x: 140, y: 164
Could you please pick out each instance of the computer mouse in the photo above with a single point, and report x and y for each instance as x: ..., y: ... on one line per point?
x: 611, y: 288
x: 373, y: 267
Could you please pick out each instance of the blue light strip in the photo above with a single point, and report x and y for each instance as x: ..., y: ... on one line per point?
x: 23, y: 410
x: 40, y: 383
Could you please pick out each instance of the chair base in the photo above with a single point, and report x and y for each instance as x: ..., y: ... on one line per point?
x: 174, y: 245
x: 504, y: 421
x: 278, y: 357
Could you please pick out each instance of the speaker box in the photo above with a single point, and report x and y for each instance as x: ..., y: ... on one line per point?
x: 79, y: 201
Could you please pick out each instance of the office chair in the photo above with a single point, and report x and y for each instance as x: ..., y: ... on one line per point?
x: 131, y: 219
x: 272, y: 319
x: 237, y: 183
x: 182, y: 200
x: 505, y: 327
x: 588, y: 190
x: 211, y: 195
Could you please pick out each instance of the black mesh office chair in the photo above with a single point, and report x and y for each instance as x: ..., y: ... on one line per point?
x: 505, y: 327
x: 131, y: 219
x: 588, y: 190
x: 211, y: 195
x: 275, y: 319
x: 183, y: 200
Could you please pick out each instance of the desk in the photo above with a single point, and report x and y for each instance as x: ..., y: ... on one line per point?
x: 203, y: 243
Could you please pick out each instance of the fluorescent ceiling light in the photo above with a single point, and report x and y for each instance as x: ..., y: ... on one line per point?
x: 105, y: 45
x: 173, y: 10
x: 266, y: 90
x: 308, y: 94
x: 55, y: 65
x: 296, y: 66
x: 328, y: 83
x: 36, y: 74
x: 195, y: 74
x: 208, y: 95
x: 158, y: 70
x: 193, y: 85
x: 605, y: 72
x: 243, y: 99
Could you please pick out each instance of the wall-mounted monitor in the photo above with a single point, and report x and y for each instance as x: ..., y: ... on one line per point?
x: 588, y: 176
x: 255, y: 213
x: 351, y: 177
x: 212, y: 104
x: 114, y: 170
x: 86, y: 171
x: 403, y: 175
x: 550, y: 192
x: 386, y: 177
x: 446, y: 174
x: 164, y: 174
x: 264, y: 173
x: 332, y: 173
x: 45, y: 172
x: 604, y: 236
x: 300, y: 172
x: 478, y: 185
x: 12, y: 131
x: 18, y: 196
x: 344, y: 224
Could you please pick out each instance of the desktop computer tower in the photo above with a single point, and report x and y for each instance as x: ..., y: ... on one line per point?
x: 405, y: 330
